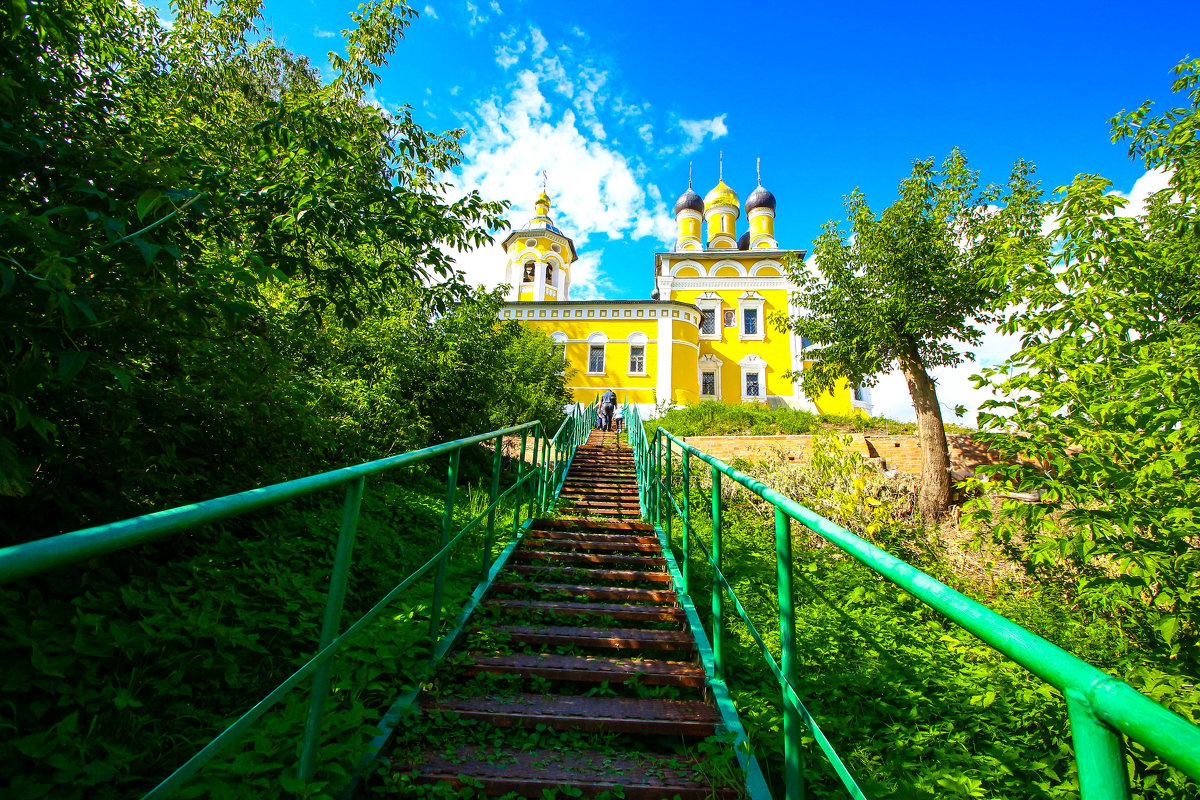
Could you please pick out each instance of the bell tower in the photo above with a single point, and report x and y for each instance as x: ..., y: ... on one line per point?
x: 539, y: 258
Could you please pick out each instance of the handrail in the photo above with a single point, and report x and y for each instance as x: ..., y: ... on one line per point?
x: 1101, y: 708
x: 31, y: 558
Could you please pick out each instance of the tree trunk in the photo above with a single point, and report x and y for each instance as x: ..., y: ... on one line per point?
x: 931, y: 434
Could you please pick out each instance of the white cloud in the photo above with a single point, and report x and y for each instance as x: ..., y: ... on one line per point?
x: 697, y: 129
x: 475, y: 18
x: 495, y: 7
x: 550, y: 118
x: 429, y: 12
x: 1152, y: 181
x: 320, y: 34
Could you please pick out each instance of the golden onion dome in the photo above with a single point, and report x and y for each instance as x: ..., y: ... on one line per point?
x: 722, y: 195
x: 543, y: 199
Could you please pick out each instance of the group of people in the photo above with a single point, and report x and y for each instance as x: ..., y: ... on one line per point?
x: 608, y: 410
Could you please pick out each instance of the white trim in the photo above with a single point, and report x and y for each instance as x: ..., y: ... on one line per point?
x: 769, y: 263
x: 710, y: 301
x: 708, y: 363
x: 688, y: 283
x: 688, y: 263
x: 666, y: 362
x: 752, y: 364
x: 741, y: 270
x: 751, y: 300
x: 601, y: 339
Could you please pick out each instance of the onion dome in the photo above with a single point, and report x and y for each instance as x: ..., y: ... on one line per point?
x: 721, y: 195
x: 689, y: 200
x: 760, y: 198
x: 744, y: 241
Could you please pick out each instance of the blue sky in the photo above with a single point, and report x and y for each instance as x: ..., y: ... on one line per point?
x: 615, y: 99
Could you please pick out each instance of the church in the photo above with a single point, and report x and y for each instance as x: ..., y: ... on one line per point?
x: 706, y: 333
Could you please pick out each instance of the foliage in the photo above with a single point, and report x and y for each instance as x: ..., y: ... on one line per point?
x: 126, y: 666
x: 916, y: 706
x: 712, y: 418
x: 904, y: 287
x: 161, y: 187
x: 1101, y: 400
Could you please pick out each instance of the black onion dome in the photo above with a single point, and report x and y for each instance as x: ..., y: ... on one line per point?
x: 744, y: 241
x: 760, y: 198
x: 689, y: 199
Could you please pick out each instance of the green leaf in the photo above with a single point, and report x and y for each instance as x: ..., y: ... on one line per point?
x: 147, y: 201
x: 70, y: 362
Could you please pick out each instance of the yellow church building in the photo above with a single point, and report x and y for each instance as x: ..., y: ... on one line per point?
x: 707, y: 332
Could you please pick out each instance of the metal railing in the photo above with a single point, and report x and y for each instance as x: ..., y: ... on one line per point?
x: 1101, y: 709
x: 550, y: 458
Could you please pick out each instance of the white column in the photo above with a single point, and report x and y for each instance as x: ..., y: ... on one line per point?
x: 539, y: 280
x: 665, y: 363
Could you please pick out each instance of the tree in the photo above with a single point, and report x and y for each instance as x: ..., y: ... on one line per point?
x: 905, y: 288
x: 1100, y: 409
x: 173, y: 203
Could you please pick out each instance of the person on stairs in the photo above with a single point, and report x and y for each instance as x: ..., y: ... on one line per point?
x: 608, y: 407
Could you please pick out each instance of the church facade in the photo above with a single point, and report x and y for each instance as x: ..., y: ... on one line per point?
x: 707, y: 333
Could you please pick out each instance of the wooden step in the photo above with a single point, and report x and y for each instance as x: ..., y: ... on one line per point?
x: 530, y: 773
x: 648, y: 546
x: 585, y: 669
x: 580, y: 573
x: 588, y: 558
x: 575, y: 524
x: 578, y: 536
x: 613, y: 714
x: 601, y: 638
x: 625, y: 613
x: 627, y: 594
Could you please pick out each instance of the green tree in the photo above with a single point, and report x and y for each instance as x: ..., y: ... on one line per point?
x: 1100, y: 409
x: 904, y: 288
x: 161, y: 189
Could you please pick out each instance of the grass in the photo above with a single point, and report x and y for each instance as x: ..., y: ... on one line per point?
x: 119, y: 669
x: 710, y: 418
x: 916, y: 706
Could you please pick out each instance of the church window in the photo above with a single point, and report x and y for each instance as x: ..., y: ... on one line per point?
x: 751, y: 312
x: 708, y: 322
x: 754, y: 378
x: 550, y: 275
x: 750, y: 317
x: 528, y: 276
x: 596, y: 358
x: 708, y: 384
x: 637, y: 358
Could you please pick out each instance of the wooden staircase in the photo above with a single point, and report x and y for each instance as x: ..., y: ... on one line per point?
x: 580, y: 670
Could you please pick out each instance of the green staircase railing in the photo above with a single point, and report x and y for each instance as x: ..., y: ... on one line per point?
x: 550, y: 459
x: 1101, y: 709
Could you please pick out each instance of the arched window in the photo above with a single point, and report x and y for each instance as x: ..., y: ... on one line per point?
x: 550, y: 275
x: 597, y: 344
x: 528, y: 276
x: 637, y: 353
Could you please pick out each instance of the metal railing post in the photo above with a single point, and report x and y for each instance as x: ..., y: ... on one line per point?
x: 718, y: 643
x: 658, y: 471
x: 439, y: 580
x: 489, y: 538
x: 330, y: 627
x: 535, y: 498
x: 1099, y: 753
x: 685, y: 534
x: 793, y: 764
x: 518, y: 499
x: 670, y: 511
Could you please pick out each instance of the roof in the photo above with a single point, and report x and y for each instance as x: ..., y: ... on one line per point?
x: 552, y: 233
